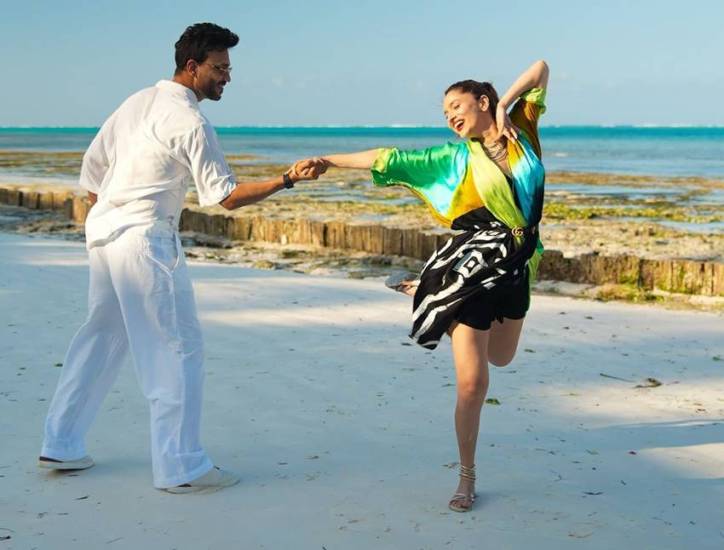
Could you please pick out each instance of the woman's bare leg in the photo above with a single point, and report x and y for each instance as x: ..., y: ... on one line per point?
x: 503, y: 341
x: 470, y: 353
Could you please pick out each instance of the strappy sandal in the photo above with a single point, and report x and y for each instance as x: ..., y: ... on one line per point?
x: 458, y: 500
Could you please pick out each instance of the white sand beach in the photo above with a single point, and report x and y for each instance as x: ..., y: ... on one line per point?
x: 342, y: 430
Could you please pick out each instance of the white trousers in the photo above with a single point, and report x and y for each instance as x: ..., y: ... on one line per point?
x: 140, y: 300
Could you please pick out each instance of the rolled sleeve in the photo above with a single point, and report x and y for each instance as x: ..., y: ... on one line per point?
x: 95, y: 162
x: 536, y: 96
x: 211, y: 173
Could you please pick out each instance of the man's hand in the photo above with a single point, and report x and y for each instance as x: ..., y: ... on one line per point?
x: 251, y: 192
x: 308, y: 169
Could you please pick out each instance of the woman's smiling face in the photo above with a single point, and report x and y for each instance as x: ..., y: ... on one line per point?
x: 465, y: 115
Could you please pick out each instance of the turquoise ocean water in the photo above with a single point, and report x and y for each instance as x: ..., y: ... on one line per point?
x: 658, y: 151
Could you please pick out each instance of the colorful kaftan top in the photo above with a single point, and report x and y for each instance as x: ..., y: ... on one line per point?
x: 457, y: 178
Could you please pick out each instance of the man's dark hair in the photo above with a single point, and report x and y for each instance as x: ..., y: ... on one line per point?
x: 198, y: 40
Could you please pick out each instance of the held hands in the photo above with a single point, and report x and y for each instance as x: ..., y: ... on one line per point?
x: 505, y: 126
x: 308, y: 169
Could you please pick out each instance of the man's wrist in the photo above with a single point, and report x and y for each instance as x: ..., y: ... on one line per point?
x: 288, y: 180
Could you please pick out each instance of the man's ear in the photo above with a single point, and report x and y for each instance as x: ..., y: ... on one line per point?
x: 192, y: 66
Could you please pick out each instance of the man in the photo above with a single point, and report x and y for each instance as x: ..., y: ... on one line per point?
x: 136, y: 172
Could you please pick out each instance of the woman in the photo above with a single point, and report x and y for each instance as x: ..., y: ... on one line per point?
x: 476, y: 287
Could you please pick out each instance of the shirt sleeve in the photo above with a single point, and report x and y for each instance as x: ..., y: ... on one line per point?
x: 211, y: 173
x: 433, y: 174
x: 96, y: 159
x: 421, y: 168
x: 526, y: 112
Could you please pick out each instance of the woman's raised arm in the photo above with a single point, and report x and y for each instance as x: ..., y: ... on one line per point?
x: 535, y: 76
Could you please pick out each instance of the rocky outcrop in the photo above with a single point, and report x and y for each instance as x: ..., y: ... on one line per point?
x: 675, y: 275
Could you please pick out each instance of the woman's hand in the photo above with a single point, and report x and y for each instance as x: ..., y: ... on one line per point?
x: 505, y: 126
x: 308, y: 169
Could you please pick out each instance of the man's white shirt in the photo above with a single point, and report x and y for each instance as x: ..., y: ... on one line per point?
x: 144, y: 157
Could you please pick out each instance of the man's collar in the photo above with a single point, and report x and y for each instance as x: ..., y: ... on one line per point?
x: 178, y: 89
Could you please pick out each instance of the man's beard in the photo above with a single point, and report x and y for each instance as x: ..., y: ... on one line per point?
x: 212, y: 92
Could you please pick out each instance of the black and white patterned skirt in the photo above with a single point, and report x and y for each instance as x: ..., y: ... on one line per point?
x: 469, y: 265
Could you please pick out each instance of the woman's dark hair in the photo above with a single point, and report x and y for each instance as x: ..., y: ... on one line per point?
x: 198, y: 40
x: 478, y: 89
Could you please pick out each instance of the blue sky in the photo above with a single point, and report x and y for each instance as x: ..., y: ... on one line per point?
x: 324, y: 62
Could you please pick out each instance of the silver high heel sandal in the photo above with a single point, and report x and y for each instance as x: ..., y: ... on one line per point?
x: 458, y: 502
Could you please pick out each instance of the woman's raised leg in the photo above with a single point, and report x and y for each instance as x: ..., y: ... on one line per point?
x: 503, y: 342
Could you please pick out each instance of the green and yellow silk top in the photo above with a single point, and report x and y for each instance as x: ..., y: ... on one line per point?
x: 457, y: 178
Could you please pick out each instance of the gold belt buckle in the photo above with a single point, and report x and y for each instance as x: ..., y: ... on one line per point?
x: 517, y: 231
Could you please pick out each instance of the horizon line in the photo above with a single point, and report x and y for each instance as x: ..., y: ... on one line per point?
x: 371, y: 126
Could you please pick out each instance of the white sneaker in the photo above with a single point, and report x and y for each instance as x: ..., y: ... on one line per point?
x: 54, y: 464
x: 211, y: 481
